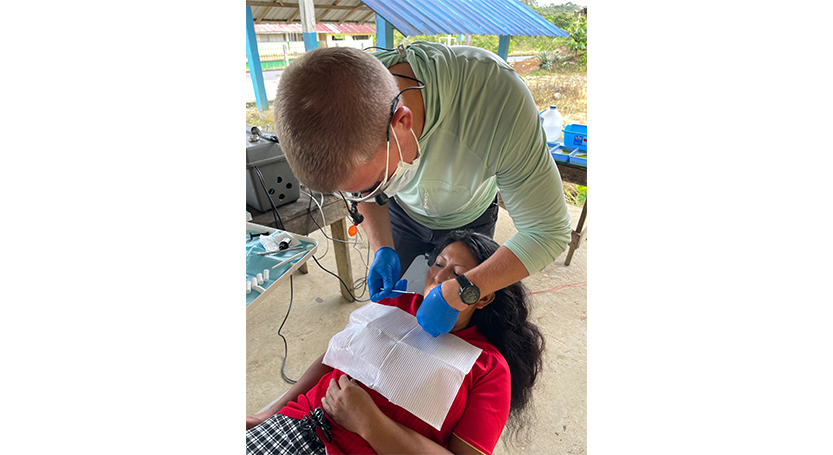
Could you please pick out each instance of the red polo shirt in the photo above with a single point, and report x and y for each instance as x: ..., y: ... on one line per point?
x: 477, y: 415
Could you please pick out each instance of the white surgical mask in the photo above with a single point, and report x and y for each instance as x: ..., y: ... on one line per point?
x: 405, y: 172
x: 401, y: 177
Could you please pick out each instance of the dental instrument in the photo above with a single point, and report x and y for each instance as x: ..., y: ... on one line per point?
x: 279, y: 251
x: 291, y: 259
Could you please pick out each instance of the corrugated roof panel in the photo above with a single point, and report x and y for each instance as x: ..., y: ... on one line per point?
x: 465, y: 14
x: 425, y: 17
x: 275, y: 12
x: 504, y: 17
x: 477, y: 17
x: 333, y: 11
x: 486, y: 24
x: 353, y: 28
x: 382, y: 9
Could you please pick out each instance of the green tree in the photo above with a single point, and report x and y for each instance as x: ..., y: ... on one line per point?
x: 578, y: 36
x: 562, y: 20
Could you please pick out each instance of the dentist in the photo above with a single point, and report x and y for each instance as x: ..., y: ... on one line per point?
x: 419, y: 140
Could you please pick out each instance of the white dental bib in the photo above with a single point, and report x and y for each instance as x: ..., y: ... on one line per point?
x: 385, y: 348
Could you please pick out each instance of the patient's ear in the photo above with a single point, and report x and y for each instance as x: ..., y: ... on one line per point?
x: 485, y: 300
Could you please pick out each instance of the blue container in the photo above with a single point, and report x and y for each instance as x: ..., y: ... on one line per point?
x: 578, y: 157
x: 575, y: 135
x: 559, y: 154
x: 570, y: 155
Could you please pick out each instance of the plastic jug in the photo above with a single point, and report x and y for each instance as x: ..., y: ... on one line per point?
x: 552, y: 121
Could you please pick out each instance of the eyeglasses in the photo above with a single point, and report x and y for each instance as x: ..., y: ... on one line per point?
x: 364, y: 196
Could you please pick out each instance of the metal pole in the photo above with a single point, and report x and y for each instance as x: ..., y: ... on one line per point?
x: 255, y: 69
x: 308, y: 24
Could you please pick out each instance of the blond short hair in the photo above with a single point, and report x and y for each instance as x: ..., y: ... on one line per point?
x: 331, y: 113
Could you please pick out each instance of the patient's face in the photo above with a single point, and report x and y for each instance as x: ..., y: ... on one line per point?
x: 455, y: 259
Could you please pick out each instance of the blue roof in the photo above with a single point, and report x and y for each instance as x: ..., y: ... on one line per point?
x: 469, y: 17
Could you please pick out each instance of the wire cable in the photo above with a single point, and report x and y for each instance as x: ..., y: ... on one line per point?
x: 269, y: 196
x: 309, y: 212
x: 559, y: 287
x: 279, y: 223
x: 285, y: 345
x: 339, y: 279
x: 362, y: 282
x: 358, y: 283
x: 313, y: 199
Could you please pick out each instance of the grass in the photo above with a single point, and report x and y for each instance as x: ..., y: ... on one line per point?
x: 568, y: 91
x: 575, y: 194
x: 559, y: 86
x: 263, y: 120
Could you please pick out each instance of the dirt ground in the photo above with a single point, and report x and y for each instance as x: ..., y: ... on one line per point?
x: 564, y: 88
x: 525, y: 67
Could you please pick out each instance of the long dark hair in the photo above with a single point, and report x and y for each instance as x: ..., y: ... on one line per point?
x: 504, y: 322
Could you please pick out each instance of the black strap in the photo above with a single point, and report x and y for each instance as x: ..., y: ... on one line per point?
x: 317, y: 418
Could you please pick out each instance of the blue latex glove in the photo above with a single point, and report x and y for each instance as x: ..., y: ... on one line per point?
x: 384, y: 271
x: 435, y: 315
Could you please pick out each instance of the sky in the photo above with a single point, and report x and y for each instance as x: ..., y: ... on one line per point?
x: 559, y: 2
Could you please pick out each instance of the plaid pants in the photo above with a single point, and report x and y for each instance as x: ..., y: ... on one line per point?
x: 282, y: 435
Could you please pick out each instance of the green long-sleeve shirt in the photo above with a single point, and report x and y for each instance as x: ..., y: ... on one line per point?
x: 482, y: 133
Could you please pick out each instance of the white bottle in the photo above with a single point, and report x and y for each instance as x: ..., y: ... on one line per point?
x: 553, y: 122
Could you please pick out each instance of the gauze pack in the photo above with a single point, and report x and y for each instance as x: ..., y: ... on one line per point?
x: 272, y: 242
x: 385, y: 348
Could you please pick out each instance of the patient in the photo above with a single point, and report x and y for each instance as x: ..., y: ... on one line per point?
x: 328, y: 406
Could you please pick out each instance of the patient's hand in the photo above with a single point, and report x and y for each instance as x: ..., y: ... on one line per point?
x: 255, y: 420
x: 350, y: 405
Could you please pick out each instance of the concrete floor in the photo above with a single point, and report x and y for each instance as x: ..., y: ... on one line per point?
x: 559, y: 406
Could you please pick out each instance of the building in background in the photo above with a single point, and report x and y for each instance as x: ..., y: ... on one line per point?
x: 278, y: 44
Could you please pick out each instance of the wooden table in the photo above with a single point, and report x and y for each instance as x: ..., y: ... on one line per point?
x: 296, y: 218
x: 577, y: 175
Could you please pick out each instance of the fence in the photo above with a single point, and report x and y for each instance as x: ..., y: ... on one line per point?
x: 277, y: 55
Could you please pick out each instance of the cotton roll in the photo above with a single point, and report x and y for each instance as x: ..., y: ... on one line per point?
x: 259, y: 278
x: 265, y: 274
x: 258, y: 289
x: 248, y: 287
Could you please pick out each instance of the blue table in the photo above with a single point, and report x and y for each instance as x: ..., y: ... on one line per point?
x: 286, y: 261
